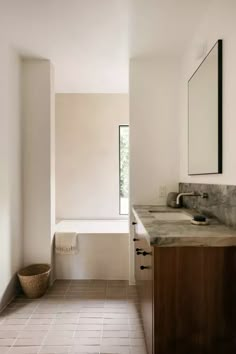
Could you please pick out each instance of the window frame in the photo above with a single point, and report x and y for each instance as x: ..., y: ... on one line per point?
x: 121, y: 126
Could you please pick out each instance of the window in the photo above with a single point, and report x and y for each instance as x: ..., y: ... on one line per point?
x: 124, y: 168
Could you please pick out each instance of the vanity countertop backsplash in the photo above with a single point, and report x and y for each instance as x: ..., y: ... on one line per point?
x: 220, y: 204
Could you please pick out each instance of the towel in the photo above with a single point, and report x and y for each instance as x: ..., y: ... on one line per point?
x: 66, y: 242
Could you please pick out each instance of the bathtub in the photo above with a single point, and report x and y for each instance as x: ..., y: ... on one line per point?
x: 103, y: 250
x: 101, y: 226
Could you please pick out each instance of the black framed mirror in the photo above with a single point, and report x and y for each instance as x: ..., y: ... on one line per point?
x: 205, y: 115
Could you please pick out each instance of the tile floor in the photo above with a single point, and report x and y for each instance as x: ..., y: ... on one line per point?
x: 78, y: 316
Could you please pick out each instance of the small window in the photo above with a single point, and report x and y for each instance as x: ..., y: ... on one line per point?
x: 124, y: 168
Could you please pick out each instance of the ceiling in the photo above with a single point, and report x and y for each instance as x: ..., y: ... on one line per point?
x: 162, y: 27
x: 90, y: 41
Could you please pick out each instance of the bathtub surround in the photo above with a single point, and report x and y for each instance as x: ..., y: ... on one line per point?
x: 110, y: 226
x: 103, y: 250
x: 38, y: 160
x: 100, y: 256
x: 221, y: 201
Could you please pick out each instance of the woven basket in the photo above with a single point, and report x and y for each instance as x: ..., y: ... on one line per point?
x: 34, y: 280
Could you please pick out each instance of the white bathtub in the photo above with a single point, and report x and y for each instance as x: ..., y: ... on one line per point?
x: 109, y: 226
x: 103, y: 250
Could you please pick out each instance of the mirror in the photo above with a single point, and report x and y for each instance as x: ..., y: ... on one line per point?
x: 205, y: 115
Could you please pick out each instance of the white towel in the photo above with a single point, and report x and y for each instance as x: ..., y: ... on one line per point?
x: 66, y: 242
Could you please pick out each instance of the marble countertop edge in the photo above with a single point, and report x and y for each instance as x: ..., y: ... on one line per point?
x: 182, y: 233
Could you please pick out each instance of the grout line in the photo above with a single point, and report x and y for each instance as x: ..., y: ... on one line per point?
x: 44, y: 339
x: 73, y: 336
x: 53, y: 319
x: 102, y: 330
x: 27, y: 321
x: 77, y: 322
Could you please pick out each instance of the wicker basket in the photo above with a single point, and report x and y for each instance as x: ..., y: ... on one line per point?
x: 34, y: 280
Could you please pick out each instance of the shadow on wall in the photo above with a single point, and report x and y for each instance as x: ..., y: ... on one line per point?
x: 53, y: 262
x: 10, y: 292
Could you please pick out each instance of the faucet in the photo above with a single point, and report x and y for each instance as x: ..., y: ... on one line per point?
x: 190, y: 194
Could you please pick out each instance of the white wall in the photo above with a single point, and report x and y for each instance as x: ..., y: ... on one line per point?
x: 38, y: 122
x: 11, y: 238
x: 154, y: 153
x: 87, y: 154
x: 219, y: 23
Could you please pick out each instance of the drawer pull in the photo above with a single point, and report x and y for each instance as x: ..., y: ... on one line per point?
x: 143, y: 267
x: 139, y: 252
x: 135, y: 239
x: 138, y: 249
x: 134, y: 223
x: 147, y: 253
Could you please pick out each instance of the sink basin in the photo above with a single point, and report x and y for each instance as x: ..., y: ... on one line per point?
x: 171, y: 216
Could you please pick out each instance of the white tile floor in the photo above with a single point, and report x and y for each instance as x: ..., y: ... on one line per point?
x: 80, y: 316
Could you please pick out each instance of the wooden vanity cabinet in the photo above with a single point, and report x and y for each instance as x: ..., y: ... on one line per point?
x: 187, y: 297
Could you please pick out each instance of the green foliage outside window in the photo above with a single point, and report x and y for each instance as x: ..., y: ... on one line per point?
x: 124, y: 161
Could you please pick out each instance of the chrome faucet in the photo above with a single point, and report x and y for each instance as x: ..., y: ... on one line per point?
x: 190, y: 194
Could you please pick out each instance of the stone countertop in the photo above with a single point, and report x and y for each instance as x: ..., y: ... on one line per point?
x: 182, y: 232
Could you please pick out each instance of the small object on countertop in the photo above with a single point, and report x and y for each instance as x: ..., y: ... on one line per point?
x: 199, y: 220
x: 171, y: 200
x: 199, y: 217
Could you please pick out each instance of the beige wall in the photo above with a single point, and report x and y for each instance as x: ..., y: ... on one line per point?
x: 11, y: 236
x: 38, y: 157
x: 87, y: 154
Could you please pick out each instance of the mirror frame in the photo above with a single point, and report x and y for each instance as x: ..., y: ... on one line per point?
x: 219, y: 43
